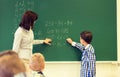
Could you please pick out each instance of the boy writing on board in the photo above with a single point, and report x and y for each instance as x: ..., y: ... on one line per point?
x: 88, y: 60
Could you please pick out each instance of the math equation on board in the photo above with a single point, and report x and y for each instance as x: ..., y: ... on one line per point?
x: 57, y: 30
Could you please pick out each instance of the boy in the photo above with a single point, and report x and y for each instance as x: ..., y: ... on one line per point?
x: 37, y: 64
x: 88, y: 60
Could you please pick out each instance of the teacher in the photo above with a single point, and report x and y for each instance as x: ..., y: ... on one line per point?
x: 24, y: 36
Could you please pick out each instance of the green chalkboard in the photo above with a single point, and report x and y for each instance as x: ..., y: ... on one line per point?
x: 60, y: 19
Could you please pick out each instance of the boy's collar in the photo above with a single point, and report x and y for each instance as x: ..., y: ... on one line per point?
x: 87, y: 46
x: 40, y: 72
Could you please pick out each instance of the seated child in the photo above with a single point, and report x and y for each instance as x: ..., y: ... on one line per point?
x: 37, y: 64
x: 11, y: 65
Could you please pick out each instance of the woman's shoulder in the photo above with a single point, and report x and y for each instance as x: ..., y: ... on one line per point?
x: 19, y: 30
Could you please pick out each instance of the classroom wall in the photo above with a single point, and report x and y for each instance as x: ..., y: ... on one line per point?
x: 72, y: 69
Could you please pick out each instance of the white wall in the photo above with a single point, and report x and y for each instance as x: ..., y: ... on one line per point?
x: 72, y: 69
x: 67, y: 69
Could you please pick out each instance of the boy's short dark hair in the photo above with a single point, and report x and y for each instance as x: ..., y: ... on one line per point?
x: 86, y: 36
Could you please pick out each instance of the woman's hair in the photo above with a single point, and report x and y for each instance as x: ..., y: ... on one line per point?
x: 37, y: 62
x: 10, y: 64
x: 86, y: 36
x: 28, y: 19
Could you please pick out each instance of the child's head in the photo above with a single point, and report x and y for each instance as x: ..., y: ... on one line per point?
x: 86, y: 37
x: 10, y: 64
x: 37, y: 62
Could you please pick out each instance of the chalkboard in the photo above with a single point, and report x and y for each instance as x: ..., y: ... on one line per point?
x: 60, y: 19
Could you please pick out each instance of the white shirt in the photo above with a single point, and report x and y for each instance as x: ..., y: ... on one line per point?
x: 23, y: 42
x: 36, y: 74
x: 20, y: 75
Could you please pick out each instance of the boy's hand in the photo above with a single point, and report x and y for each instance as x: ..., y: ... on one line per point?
x: 69, y: 40
x: 48, y: 41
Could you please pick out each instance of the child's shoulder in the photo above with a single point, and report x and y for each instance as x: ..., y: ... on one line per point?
x: 36, y: 74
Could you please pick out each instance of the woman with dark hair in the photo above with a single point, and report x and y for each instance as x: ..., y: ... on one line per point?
x: 24, y: 36
x: 28, y: 19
